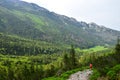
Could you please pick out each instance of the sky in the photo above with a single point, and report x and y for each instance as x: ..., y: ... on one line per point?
x: 101, y: 12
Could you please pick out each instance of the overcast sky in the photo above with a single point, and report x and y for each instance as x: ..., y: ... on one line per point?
x: 102, y: 12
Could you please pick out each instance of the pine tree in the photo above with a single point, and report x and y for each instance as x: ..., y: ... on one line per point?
x: 72, y: 57
x: 117, y: 51
x: 66, y: 62
x: 117, y: 47
x: 70, y: 61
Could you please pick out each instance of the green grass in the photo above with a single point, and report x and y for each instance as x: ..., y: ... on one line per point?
x: 95, y: 75
x: 91, y: 50
x: 24, y: 16
x: 35, y: 19
x: 95, y: 49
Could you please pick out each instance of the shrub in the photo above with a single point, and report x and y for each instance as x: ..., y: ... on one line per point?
x: 95, y: 75
x: 112, y: 74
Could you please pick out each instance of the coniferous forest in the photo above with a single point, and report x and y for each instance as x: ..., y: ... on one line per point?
x: 21, y: 59
x: 36, y: 44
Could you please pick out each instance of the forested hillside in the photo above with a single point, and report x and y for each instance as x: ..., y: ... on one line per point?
x: 31, y: 21
x: 14, y: 45
x: 36, y: 44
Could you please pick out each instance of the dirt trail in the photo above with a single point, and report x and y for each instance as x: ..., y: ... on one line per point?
x: 81, y: 75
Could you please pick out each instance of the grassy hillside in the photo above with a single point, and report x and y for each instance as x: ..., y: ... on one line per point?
x: 31, y: 21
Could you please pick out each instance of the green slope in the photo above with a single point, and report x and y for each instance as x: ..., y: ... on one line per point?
x: 31, y: 21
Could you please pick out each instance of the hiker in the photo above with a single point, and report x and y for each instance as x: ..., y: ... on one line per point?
x: 90, y: 66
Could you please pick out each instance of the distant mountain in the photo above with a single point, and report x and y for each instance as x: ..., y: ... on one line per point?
x: 31, y: 21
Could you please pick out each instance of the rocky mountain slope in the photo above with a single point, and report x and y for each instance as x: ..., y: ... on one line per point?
x: 31, y: 21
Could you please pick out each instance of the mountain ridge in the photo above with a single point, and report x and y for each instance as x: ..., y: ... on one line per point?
x: 34, y: 22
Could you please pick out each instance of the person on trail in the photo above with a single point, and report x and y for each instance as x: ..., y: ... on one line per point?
x: 90, y: 66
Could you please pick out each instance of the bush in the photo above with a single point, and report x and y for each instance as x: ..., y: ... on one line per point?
x: 112, y: 74
x: 95, y: 75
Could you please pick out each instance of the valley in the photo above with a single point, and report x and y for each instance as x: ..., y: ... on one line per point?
x: 37, y: 44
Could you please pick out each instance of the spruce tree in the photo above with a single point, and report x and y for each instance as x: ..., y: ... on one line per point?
x: 72, y: 57
x: 117, y: 47
x: 70, y: 61
x: 117, y: 51
x: 66, y: 62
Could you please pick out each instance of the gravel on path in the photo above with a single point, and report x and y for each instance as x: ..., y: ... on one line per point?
x: 81, y: 75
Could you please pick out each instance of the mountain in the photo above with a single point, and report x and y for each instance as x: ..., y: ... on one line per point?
x: 31, y: 21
